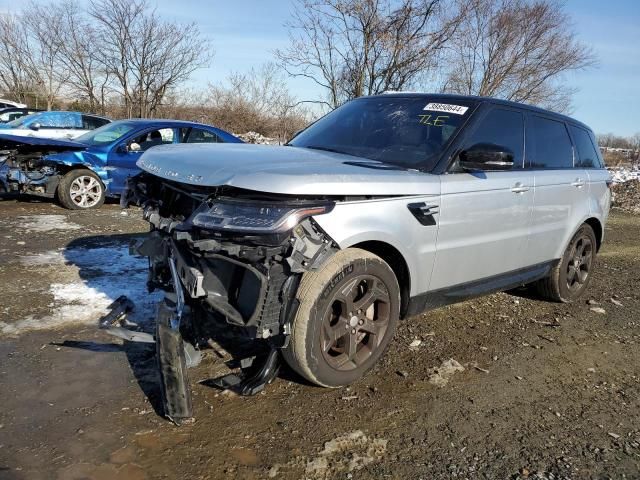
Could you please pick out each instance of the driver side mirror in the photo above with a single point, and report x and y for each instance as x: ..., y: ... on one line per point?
x: 486, y: 156
x: 122, y: 148
x: 35, y: 126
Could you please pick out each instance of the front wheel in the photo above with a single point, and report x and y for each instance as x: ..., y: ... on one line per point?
x: 347, y: 316
x: 81, y: 189
x: 569, y: 278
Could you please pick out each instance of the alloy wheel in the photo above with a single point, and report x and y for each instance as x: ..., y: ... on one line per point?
x: 579, y: 263
x: 85, y: 191
x: 355, y: 322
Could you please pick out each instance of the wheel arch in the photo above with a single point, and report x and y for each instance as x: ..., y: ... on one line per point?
x: 598, y: 229
x: 398, y: 264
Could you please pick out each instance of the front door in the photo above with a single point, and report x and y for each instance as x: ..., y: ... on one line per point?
x: 122, y: 161
x: 484, y: 216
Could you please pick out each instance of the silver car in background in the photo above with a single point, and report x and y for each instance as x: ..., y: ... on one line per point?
x: 386, y: 207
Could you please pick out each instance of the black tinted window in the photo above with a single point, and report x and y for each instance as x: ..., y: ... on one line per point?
x: 91, y: 123
x: 197, y: 135
x: 504, y: 128
x: 587, y: 156
x: 405, y: 131
x: 551, y: 144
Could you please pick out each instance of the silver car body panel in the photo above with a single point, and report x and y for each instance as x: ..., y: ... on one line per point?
x: 351, y: 223
x: 486, y: 223
x: 282, y: 170
x: 483, y: 226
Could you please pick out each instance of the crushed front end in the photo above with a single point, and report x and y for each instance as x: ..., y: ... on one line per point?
x: 230, y: 261
x: 26, y: 168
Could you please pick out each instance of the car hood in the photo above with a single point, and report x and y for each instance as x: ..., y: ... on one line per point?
x: 10, y: 141
x: 283, y: 170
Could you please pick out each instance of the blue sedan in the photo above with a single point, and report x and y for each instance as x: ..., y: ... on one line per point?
x: 95, y: 165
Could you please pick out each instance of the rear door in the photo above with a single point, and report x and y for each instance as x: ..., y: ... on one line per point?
x: 484, y: 216
x: 590, y: 162
x: 560, y: 192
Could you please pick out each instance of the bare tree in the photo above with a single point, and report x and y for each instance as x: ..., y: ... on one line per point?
x: 362, y: 47
x: 146, y: 55
x: 256, y: 101
x: 44, y: 28
x: 517, y: 50
x: 14, y: 78
x: 79, y: 55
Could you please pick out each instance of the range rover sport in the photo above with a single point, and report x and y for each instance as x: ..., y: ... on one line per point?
x: 388, y: 206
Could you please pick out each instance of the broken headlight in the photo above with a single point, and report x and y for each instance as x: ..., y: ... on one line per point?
x: 255, y: 217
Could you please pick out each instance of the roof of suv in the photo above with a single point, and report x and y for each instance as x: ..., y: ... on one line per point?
x: 495, y: 101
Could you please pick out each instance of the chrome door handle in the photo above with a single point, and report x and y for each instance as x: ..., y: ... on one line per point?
x: 578, y: 183
x: 519, y: 188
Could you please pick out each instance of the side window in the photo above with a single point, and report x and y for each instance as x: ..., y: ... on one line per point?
x: 91, y: 123
x: 551, y: 144
x: 197, y: 135
x: 501, y: 127
x: 59, y: 120
x: 150, y: 139
x: 587, y: 155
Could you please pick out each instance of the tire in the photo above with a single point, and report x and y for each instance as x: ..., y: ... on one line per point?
x: 569, y: 278
x: 81, y: 189
x: 347, y: 315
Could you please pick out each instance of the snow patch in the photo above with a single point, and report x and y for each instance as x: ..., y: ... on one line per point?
x: 45, y: 223
x: 346, y: 453
x: 441, y: 375
x: 96, y: 277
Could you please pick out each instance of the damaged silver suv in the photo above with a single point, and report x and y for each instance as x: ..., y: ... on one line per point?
x: 388, y: 206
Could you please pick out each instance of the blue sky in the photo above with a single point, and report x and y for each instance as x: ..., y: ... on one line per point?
x: 245, y: 33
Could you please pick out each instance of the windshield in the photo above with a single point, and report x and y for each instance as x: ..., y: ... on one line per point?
x: 410, y: 132
x: 106, y: 134
x: 19, y: 122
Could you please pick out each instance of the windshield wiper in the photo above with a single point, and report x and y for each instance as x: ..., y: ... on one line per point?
x: 326, y: 149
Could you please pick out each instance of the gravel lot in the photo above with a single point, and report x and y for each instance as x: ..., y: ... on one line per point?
x: 505, y: 386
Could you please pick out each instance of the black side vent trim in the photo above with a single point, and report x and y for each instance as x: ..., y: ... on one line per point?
x: 423, y: 212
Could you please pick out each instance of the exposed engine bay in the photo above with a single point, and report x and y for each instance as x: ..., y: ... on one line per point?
x: 227, y: 259
x: 24, y: 167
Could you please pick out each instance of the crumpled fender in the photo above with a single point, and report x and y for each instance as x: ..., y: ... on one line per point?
x: 80, y: 159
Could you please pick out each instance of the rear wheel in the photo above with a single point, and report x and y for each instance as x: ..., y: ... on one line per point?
x: 81, y: 189
x: 569, y: 279
x: 347, y: 316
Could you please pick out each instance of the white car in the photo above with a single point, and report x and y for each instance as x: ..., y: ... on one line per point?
x: 64, y: 125
x: 9, y: 104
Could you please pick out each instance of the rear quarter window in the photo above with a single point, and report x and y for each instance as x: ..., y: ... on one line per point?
x: 587, y: 156
x: 550, y: 142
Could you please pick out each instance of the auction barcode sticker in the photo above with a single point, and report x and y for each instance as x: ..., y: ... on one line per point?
x: 446, y: 107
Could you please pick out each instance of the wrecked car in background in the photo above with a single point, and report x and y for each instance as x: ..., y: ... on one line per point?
x: 82, y: 173
x: 13, y: 113
x: 4, y: 103
x: 64, y: 125
x: 388, y: 206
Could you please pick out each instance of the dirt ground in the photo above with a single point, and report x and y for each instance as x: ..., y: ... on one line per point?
x: 501, y: 387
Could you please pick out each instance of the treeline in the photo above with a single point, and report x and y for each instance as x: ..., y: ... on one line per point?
x: 609, y: 140
x: 122, y: 59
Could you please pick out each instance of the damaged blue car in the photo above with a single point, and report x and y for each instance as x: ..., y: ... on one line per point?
x: 96, y: 165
